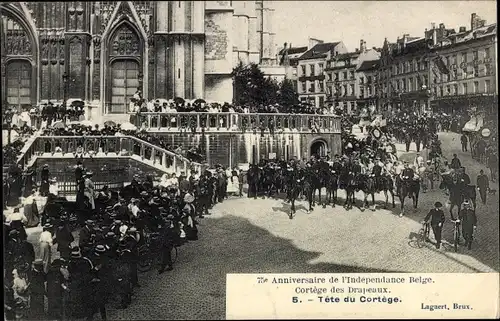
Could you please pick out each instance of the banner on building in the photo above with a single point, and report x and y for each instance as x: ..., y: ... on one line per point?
x: 439, y: 63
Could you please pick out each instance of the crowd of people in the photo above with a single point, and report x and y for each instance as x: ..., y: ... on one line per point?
x: 141, y: 105
x: 106, y: 236
x: 102, y: 240
x: 192, y: 153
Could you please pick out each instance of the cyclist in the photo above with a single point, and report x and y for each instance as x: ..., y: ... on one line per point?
x: 467, y: 216
x: 436, y: 215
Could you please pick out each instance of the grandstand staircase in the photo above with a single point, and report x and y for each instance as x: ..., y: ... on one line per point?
x: 116, y: 147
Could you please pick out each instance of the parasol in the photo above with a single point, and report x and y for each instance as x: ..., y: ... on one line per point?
x: 199, y: 101
x: 58, y: 124
x: 75, y: 103
x: 128, y: 126
x: 109, y: 123
x: 179, y: 100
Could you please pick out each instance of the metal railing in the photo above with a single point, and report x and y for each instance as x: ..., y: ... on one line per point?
x: 104, y: 145
x: 238, y: 122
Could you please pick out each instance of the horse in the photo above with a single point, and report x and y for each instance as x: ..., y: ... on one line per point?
x: 348, y: 183
x: 409, y: 188
x: 373, y: 185
x: 294, y: 187
x: 332, y: 187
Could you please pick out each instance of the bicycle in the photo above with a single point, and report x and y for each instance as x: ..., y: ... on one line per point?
x: 150, y: 252
x: 423, y: 235
x: 456, y: 234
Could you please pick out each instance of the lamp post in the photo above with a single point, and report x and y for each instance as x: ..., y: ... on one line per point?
x: 65, y: 92
x: 8, y: 120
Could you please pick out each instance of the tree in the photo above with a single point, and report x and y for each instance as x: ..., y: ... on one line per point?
x: 251, y: 87
x: 287, y: 93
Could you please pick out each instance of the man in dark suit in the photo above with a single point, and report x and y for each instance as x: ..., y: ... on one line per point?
x: 168, y: 241
x: 483, y: 185
x: 436, y: 215
x: 455, y: 162
x: 464, y: 140
x: 467, y: 216
x: 407, y: 173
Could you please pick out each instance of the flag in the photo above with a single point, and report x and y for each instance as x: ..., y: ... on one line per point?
x: 439, y: 63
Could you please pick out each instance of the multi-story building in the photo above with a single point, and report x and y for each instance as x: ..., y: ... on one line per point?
x: 346, y: 86
x: 470, y: 57
x: 404, y: 74
x: 288, y: 57
x: 106, y: 50
x: 311, y: 86
x: 367, y: 73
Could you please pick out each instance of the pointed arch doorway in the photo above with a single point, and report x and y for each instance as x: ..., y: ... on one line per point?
x: 125, y: 61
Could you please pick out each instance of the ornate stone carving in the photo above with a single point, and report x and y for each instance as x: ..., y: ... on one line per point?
x: 125, y: 42
x: 61, y: 52
x: 97, y: 48
x: 124, y: 9
x: 144, y: 10
x: 151, y: 52
x: 17, y: 42
x: 45, y: 50
x: 106, y: 10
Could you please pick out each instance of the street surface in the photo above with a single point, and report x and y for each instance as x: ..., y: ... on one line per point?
x: 249, y: 236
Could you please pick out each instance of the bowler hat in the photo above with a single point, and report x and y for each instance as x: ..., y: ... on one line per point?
x: 38, y: 263
x: 438, y: 204
x: 144, y: 193
x: 110, y: 234
x: 75, y: 253
x: 99, y: 249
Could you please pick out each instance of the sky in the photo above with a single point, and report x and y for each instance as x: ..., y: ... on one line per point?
x: 295, y: 21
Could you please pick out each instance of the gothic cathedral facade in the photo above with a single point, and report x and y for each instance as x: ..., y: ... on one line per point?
x: 109, y: 49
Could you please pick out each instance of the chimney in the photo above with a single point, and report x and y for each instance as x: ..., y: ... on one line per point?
x: 433, y: 25
x: 362, y: 45
x: 473, y: 18
x: 434, y: 36
x: 462, y: 29
x: 313, y: 42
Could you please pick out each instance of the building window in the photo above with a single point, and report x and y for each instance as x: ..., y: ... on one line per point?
x: 475, y: 55
x: 352, y: 74
x: 426, y: 81
x: 410, y: 84
x: 311, y: 68
x: 476, y: 71
x: 487, y: 53
x: 441, y: 91
x: 304, y: 86
x: 320, y: 69
x: 312, y: 88
x: 488, y: 69
x: 362, y: 80
x: 344, y: 76
x: 464, y: 57
x: 475, y: 89
x: 455, y: 89
x: 464, y: 88
x: 448, y: 90
x: 369, y: 90
x: 303, y: 70
x: 336, y: 76
x: 321, y: 101
x: 487, y: 86
x: 351, y: 90
x: 321, y: 86
x: 448, y: 61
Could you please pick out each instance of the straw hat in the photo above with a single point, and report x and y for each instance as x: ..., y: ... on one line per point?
x: 188, y: 198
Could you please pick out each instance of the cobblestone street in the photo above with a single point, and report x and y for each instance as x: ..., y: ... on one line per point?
x: 249, y: 236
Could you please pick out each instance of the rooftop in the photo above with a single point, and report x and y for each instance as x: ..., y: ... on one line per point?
x: 293, y: 50
x: 320, y: 50
x: 369, y: 65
